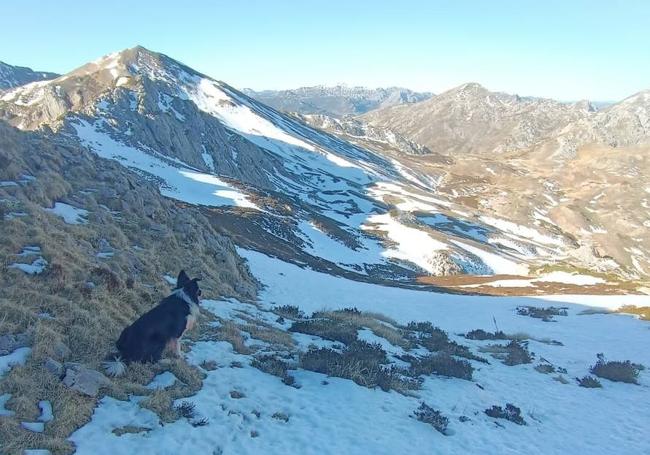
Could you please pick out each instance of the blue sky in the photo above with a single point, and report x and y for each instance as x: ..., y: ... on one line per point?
x: 562, y: 49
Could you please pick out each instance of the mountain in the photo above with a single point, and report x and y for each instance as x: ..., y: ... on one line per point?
x: 308, y: 196
x: 13, y: 76
x: 348, y: 276
x: 337, y: 101
x: 352, y: 129
x: 469, y: 119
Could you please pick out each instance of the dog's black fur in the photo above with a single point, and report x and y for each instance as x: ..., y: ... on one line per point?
x: 162, y: 326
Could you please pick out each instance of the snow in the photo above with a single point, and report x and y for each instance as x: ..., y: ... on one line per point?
x: 321, y: 245
x: 18, y: 357
x: 455, y: 226
x: 170, y: 280
x: 69, y: 213
x: 570, y: 278
x: 35, y: 268
x: 36, y: 427
x: 30, y: 250
x: 342, y: 417
x: 498, y: 264
x: 411, y: 244
x: 208, y: 160
x: 163, y: 380
x: 521, y: 231
x: 46, y: 411
x: 178, y: 182
x: 210, y: 98
x: 553, y: 277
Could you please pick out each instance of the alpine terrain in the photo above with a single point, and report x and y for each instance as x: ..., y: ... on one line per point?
x: 383, y: 271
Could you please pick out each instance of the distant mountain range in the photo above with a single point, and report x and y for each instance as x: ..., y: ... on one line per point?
x: 470, y: 119
x: 336, y: 101
x: 13, y: 76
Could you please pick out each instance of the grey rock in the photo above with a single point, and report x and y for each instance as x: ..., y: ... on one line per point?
x: 9, y: 343
x: 54, y: 367
x: 84, y: 380
x: 61, y: 350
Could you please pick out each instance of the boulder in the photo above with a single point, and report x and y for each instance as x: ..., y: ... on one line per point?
x: 54, y: 367
x: 9, y: 343
x: 84, y: 380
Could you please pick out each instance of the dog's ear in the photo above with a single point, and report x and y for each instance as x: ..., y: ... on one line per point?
x: 192, y: 284
x: 182, y: 280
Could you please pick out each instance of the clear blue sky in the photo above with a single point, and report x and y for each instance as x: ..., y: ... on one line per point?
x: 577, y: 49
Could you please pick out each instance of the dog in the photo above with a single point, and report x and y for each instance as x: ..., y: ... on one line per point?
x: 163, y: 326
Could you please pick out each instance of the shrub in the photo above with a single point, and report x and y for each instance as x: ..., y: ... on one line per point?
x: 545, y: 314
x: 517, y: 353
x: 272, y: 365
x: 427, y: 414
x: 327, y: 329
x: 435, y: 339
x: 545, y: 368
x: 361, y: 362
x: 289, y: 311
x: 186, y: 409
x: 511, y: 413
x: 423, y: 327
x: 280, y: 416
x: 441, y: 364
x: 394, y: 378
x: 480, y: 334
x: 379, y: 324
x: 513, y: 353
x: 589, y: 382
x: 616, y: 370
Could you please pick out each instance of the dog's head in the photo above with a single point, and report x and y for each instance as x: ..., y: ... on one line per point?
x: 189, y: 286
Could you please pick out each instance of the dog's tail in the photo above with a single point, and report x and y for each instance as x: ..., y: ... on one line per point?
x: 114, y: 366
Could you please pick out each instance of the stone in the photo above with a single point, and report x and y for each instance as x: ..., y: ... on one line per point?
x: 54, y: 367
x: 9, y: 343
x: 61, y: 350
x: 84, y: 380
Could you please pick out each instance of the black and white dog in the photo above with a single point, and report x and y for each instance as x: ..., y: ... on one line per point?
x: 162, y: 326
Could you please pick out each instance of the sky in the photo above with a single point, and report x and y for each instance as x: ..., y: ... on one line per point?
x: 568, y: 50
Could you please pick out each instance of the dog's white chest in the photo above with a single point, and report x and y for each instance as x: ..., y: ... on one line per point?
x: 193, y: 316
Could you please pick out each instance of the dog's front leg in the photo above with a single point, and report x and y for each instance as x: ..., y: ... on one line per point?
x: 179, y: 353
x: 174, y: 346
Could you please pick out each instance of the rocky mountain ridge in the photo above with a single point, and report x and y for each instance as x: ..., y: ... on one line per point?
x: 14, y: 76
x: 336, y: 101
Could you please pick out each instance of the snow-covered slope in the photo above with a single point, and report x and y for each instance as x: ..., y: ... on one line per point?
x: 330, y: 415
